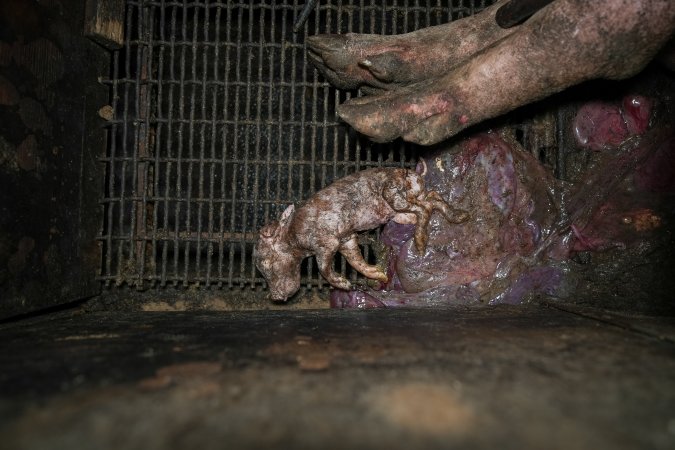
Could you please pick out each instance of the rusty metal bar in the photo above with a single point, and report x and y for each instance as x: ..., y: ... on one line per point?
x: 221, y: 123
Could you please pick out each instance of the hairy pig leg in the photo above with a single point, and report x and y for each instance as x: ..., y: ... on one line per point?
x: 350, y: 61
x: 567, y: 42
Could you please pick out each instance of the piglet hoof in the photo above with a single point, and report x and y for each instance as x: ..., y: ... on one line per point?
x: 459, y: 216
x: 377, y: 275
x: 381, y: 276
x: 341, y: 283
x: 372, y: 279
x: 451, y: 214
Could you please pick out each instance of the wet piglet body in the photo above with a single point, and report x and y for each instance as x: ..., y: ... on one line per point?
x: 327, y: 223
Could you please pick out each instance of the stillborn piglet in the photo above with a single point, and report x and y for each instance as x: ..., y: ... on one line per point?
x: 327, y: 223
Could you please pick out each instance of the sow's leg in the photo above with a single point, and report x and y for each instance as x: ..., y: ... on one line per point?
x: 375, y: 62
x: 567, y: 42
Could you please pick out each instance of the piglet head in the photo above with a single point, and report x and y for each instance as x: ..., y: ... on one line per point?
x: 278, y: 262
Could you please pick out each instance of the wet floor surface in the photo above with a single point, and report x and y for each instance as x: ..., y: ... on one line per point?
x: 491, y: 377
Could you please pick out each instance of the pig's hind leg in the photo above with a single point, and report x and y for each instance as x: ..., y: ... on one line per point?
x: 452, y: 215
x: 351, y: 251
x: 402, y: 198
x: 324, y: 258
x: 424, y: 208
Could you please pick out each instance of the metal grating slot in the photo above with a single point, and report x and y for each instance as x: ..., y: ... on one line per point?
x: 220, y: 123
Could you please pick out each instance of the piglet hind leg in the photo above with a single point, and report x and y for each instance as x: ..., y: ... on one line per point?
x: 423, y: 214
x: 422, y: 211
x: 324, y: 258
x: 452, y: 215
x: 424, y: 207
x: 351, y: 251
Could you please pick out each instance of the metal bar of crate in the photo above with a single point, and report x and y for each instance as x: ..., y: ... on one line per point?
x: 220, y: 123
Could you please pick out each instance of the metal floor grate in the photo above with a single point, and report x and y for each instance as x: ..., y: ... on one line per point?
x: 220, y: 122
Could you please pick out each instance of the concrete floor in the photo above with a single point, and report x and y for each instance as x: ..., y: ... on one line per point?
x: 491, y: 377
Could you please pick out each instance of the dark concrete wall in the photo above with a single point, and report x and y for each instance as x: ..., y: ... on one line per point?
x: 50, y: 139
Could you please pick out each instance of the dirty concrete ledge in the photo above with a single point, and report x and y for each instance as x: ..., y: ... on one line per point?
x: 486, y: 377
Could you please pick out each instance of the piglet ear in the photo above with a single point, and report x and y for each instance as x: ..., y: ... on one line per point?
x: 421, y: 167
x: 286, y: 216
x: 269, y: 231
